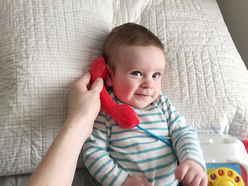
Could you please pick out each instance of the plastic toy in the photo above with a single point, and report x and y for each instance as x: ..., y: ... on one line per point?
x: 226, y: 160
x: 123, y: 114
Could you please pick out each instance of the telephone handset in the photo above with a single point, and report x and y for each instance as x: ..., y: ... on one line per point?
x: 122, y: 114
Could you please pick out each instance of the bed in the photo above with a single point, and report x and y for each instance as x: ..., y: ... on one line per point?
x: 45, y: 46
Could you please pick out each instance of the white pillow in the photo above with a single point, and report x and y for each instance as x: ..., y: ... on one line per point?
x: 205, y: 77
x: 45, y: 46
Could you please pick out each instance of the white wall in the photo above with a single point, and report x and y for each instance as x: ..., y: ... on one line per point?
x: 235, y: 13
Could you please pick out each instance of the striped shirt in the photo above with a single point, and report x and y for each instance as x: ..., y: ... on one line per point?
x: 112, y: 153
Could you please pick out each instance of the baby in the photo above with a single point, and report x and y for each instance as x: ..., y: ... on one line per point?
x: 117, y: 156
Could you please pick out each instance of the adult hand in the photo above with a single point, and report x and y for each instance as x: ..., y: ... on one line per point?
x: 59, y: 164
x: 84, y: 99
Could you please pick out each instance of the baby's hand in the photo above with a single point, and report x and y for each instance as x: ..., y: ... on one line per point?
x: 191, y: 173
x: 136, y: 180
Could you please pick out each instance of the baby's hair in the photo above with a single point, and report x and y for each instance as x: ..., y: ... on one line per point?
x: 129, y: 34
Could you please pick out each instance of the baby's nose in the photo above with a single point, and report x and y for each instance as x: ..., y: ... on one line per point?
x: 147, y: 84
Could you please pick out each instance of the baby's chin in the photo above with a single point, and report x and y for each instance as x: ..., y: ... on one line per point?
x: 136, y: 105
x: 139, y: 105
x: 143, y: 104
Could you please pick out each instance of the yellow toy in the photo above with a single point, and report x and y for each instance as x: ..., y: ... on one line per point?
x: 224, y: 177
x: 226, y: 160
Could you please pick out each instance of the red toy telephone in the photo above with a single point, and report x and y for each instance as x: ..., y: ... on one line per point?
x: 123, y: 114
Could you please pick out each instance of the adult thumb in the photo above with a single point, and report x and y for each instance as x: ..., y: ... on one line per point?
x: 97, y: 85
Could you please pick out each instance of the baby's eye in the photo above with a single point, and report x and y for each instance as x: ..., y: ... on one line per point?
x: 156, y: 75
x: 136, y: 73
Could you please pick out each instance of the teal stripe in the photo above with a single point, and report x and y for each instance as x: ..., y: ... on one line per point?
x: 178, y: 129
x: 166, y: 110
x: 141, y: 151
x: 152, y: 122
x: 107, y: 174
x: 129, y: 146
x: 149, y: 109
x: 100, y: 138
x: 159, y: 101
x: 165, y: 101
x: 124, y: 131
x: 152, y: 108
x: 169, y: 118
x: 146, y: 122
x: 174, y: 120
x: 90, y: 141
x: 127, y: 138
x: 188, y: 138
x: 136, y: 129
x: 113, y: 181
x: 170, y: 111
x: 100, y: 168
x: 195, y: 154
x: 95, y: 148
x: 99, y: 122
x: 190, y: 151
x: 154, y: 168
x: 150, y: 114
x: 189, y: 132
x: 145, y: 160
x: 102, y: 115
x: 188, y: 144
x: 101, y: 131
x: 96, y: 160
x: 159, y: 129
x: 175, y: 133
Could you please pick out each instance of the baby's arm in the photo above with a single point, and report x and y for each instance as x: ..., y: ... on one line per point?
x: 97, y: 156
x: 186, y: 146
x: 191, y: 173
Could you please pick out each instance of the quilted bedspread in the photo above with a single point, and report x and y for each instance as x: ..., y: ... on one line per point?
x: 46, y: 45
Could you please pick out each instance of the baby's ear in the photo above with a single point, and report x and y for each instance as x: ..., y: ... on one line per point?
x: 109, y: 76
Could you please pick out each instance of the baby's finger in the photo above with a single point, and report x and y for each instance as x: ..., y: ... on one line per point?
x: 180, y: 173
x: 204, y: 181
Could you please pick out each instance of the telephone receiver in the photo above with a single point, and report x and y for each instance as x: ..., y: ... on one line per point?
x: 122, y: 114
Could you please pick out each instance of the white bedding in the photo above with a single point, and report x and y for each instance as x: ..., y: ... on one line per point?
x: 47, y: 45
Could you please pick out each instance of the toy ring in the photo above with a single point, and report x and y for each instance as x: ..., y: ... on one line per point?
x: 224, y: 177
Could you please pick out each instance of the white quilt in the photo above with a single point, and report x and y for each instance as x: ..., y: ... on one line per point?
x: 45, y: 46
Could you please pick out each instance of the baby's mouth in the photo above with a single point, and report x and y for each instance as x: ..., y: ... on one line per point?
x: 142, y: 95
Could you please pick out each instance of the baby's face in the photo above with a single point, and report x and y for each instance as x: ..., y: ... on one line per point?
x: 137, y: 77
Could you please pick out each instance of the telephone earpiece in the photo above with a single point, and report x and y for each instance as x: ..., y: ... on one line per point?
x: 123, y: 114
